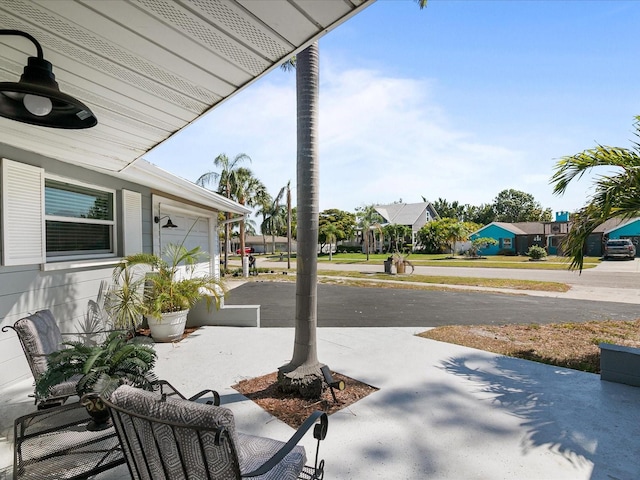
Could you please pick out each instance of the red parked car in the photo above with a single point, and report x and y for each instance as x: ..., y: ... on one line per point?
x: 247, y: 250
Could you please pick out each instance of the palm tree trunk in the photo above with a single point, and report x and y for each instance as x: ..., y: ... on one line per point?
x: 226, y: 243
x: 242, y: 254
x: 288, y: 227
x: 302, y: 374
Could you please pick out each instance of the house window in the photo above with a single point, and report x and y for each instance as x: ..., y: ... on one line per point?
x: 79, y: 219
x: 506, y: 243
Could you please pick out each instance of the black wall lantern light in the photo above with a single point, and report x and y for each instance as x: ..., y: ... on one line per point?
x: 169, y: 223
x: 36, y: 98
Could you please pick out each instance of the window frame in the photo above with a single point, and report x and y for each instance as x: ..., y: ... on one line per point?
x: 56, y: 218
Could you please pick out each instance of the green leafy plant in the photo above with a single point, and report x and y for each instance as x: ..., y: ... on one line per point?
x: 169, y: 286
x: 104, y: 367
x: 478, y: 244
x: 124, y: 301
x: 536, y: 252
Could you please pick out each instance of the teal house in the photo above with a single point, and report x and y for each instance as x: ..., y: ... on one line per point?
x: 516, y: 238
x: 628, y: 229
x: 512, y: 238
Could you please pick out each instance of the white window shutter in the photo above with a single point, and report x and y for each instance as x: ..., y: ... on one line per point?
x: 132, y: 222
x: 23, y: 230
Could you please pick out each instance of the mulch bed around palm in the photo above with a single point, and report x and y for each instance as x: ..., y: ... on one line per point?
x: 294, y: 410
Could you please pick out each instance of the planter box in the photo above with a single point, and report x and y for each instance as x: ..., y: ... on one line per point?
x: 227, y: 316
x: 620, y: 364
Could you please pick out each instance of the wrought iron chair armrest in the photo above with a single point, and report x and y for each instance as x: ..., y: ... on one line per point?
x: 216, y: 397
x: 6, y: 328
x: 163, y: 384
x: 277, y: 457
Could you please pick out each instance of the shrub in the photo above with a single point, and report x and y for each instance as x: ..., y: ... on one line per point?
x: 536, y: 253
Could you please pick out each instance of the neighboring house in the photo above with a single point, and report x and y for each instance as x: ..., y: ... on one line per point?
x: 74, y: 201
x: 413, y: 215
x: 516, y: 238
x: 625, y: 229
x: 258, y: 243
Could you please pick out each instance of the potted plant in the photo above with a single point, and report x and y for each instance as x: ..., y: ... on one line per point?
x: 103, y: 368
x: 400, y: 261
x: 171, y: 288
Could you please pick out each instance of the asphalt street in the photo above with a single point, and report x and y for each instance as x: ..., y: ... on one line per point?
x: 341, y: 306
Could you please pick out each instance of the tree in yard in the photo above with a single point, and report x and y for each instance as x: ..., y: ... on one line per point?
x: 478, y: 244
x: 455, y: 231
x: 369, y: 218
x: 247, y: 190
x: 615, y: 196
x: 482, y: 214
x: 274, y: 218
x: 330, y: 233
x: 302, y: 374
x: 398, y: 235
x: 447, y: 209
x: 225, y: 178
x: 431, y: 237
x: 344, y: 223
x: 515, y: 206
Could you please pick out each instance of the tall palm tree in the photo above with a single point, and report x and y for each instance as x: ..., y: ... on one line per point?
x: 302, y: 374
x: 265, y: 209
x: 289, y: 215
x: 247, y: 190
x: 616, y: 195
x: 275, y: 217
x: 225, y: 178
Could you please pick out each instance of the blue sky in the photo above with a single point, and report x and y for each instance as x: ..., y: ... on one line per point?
x: 458, y: 101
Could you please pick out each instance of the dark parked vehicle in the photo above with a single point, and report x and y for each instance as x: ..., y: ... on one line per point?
x: 619, y: 248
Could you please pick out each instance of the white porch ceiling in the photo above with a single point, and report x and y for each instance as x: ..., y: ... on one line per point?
x: 148, y: 68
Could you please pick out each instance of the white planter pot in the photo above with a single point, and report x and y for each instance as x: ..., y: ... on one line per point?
x: 169, y: 327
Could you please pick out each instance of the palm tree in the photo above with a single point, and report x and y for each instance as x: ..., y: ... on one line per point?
x: 247, y: 190
x: 302, y: 374
x: 369, y: 218
x: 616, y: 195
x: 289, y: 223
x: 266, y: 211
x: 225, y: 178
x: 330, y: 231
x: 275, y: 217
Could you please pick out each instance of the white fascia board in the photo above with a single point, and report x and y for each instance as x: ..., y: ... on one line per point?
x: 147, y: 174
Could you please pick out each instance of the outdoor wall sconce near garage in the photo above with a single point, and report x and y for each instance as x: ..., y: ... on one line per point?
x: 169, y: 223
x: 36, y: 98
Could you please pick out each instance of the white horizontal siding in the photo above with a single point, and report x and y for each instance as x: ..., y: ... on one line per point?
x: 66, y: 294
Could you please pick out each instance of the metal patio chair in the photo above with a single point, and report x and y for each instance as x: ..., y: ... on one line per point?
x: 40, y: 336
x: 173, y: 438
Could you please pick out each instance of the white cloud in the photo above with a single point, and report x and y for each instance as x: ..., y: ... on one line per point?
x: 381, y: 138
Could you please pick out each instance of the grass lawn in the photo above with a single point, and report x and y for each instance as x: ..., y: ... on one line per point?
x: 570, y: 345
x: 444, y: 260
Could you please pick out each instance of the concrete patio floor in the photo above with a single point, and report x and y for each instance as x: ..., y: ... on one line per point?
x: 442, y: 411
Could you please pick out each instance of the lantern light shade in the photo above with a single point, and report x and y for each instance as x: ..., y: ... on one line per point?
x: 169, y: 223
x: 36, y: 98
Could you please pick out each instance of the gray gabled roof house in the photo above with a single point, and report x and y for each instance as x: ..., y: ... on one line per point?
x: 75, y: 201
x: 413, y: 215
